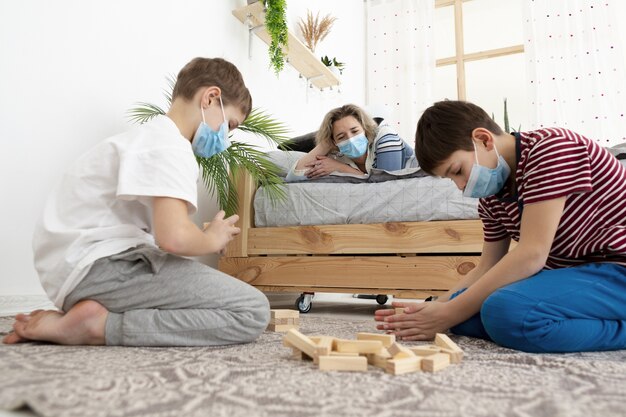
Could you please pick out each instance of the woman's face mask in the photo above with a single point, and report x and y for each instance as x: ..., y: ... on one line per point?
x: 208, y: 142
x: 483, y: 181
x: 353, y: 147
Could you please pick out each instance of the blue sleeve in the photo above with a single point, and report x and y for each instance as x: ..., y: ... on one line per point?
x: 390, y: 153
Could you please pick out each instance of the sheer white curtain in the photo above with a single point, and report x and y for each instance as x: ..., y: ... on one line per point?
x: 576, y: 67
x: 400, y: 60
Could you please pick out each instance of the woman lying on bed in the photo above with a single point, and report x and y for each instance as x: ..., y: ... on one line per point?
x: 350, y: 142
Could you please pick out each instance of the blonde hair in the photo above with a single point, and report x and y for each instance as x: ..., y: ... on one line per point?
x: 325, y: 133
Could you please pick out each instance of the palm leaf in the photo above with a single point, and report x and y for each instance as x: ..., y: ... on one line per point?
x: 144, y: 112
x: 261, y: 123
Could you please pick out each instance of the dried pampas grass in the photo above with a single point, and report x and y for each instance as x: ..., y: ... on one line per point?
x: 315, y: 30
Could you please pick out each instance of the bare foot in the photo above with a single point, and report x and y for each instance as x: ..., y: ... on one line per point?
x: 84, y: 324
x: 13, y: 337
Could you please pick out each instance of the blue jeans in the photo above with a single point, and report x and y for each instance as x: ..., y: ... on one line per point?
x: 563, y: 310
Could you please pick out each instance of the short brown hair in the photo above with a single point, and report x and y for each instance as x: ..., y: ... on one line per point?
x: 208, y: 72
x: 445, y: 128
x: 325, y: 133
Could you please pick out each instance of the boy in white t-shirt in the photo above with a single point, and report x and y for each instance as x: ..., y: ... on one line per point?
x: 110, y: 247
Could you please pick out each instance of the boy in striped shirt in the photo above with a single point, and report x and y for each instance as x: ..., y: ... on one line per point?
x: 562, y: 198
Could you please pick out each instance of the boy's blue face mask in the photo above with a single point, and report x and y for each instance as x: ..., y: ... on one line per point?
x: 483, y: 181
x: 354, y: 147
x: 208, y: 142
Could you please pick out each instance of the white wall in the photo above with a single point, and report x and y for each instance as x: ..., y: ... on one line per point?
x: 70, y: 69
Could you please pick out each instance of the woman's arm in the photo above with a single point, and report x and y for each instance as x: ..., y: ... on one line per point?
x: 319, y: 150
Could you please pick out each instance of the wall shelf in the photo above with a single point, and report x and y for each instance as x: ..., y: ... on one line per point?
x: 297, y: 54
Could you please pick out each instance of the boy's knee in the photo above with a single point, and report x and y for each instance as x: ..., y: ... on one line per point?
x: 257, y: 316
x: 504, y: 316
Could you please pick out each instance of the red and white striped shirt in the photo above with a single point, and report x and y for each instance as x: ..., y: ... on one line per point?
x: 553, y: 163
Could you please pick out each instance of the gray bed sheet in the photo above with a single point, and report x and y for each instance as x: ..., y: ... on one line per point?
x: 413, y: 199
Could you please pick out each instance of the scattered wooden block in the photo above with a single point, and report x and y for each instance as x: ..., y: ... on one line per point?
x: 358, y: 346
x: 343, y: 363
x: 284, y: 314
x: 280, y: 327
x: 425, y: 350
x: 435, y: 362
x: 404, y: 365
x: 332, y: 354
x: 387, y: 339
x: 379, y: 360
x: 400, y: 310
x: 398, y: 351
x: 449, y: 347
x: 300, y: 341
x: 281, y: 320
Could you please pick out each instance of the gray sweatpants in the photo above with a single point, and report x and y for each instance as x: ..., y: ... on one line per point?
x: 158, y: 299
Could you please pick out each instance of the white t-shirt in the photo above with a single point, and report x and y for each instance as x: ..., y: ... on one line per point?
x: 103, y: 204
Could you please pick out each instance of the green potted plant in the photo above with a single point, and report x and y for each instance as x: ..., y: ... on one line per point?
x: 334, y: 65
x: 219, y: 170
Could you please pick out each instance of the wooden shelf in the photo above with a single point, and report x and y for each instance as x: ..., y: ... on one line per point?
x: 296, y: 54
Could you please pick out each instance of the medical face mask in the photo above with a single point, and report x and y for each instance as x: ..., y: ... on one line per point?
x: 483, y: 181
x: 354, y: 147
x: 208, y: 142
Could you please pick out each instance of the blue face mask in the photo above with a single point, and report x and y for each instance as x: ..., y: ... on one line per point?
x: 483, y: 181
x: 354, y: 147
x: 208, y: 142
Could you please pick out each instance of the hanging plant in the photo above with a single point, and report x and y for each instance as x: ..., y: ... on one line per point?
x: 276, y: 26
x: 218, y: 171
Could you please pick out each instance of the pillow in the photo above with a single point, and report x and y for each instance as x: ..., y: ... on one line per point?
x: 304, y: 143
x: 284, y: 160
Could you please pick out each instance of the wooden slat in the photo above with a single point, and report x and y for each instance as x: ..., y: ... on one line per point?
x: 297, y: 54
x: 382, y: 238
x: 245, y: 191
x: 458, y: 34
x: 392, y: 272
x: 475, y: 56
x: 445, y: 3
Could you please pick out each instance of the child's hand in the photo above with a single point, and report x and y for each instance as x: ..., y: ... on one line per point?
x: 222, y: 230
x: 418, y: 322
x: 322, y: 166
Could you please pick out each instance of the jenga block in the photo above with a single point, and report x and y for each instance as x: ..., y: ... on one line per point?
x: 436, y: 362
x: 343, y: 354
x: 387, y: 339
x: 284, y: 314
x: 324, y: 345
x: 379, y: 360
x: 449, y: 347
x: 358, y: 346
x: 280, y: 327
x: 403, y: 366
x: 301, y: 342
x: 400, y: 310
x: 343, y: 363
x: 398, y: 351
x: 425, y: 350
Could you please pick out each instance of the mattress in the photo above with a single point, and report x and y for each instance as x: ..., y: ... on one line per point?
x: 413, y: 199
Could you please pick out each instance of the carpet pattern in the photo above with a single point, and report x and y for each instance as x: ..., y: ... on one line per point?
x: 260, y: 379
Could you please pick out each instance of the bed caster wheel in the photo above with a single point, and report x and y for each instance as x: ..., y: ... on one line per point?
x: 382, y: 299
x: 304, y: 303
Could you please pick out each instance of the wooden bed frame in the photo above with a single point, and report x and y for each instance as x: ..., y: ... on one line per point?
x: 404, y: 259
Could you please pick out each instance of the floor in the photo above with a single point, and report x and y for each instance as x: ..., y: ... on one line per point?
x: 335, y: 305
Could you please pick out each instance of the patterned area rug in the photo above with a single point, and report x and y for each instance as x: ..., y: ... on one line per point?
x: 259, y: 379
